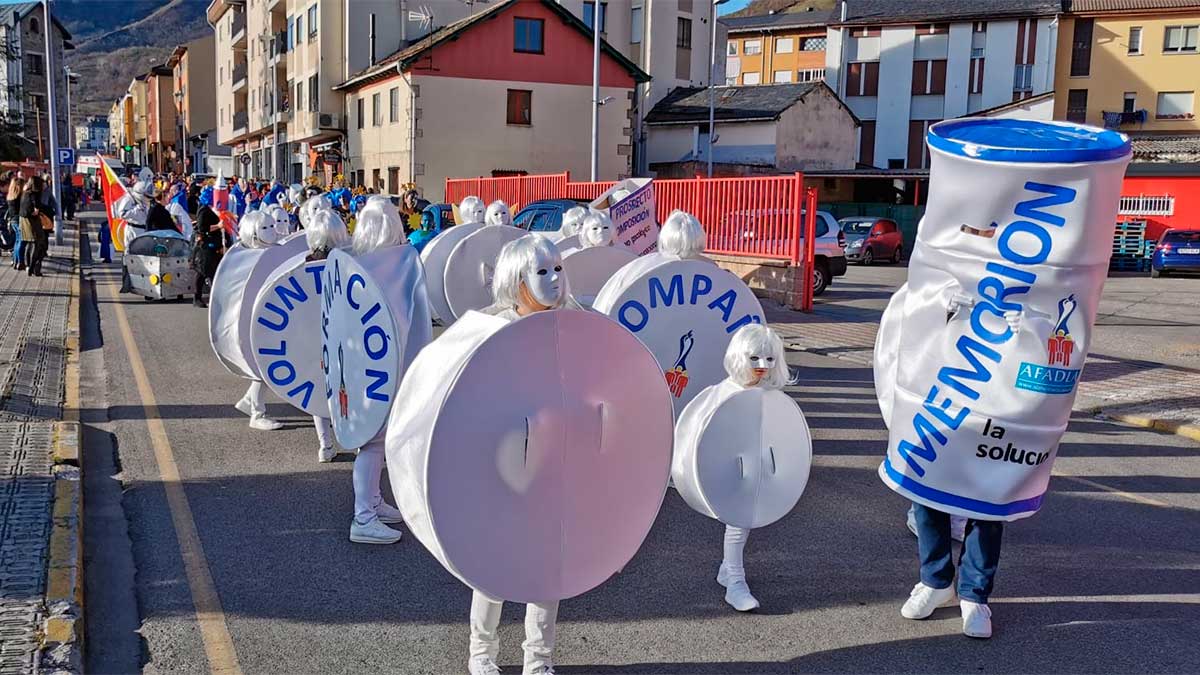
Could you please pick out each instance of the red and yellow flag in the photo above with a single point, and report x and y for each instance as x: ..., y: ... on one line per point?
x: 113, y: 189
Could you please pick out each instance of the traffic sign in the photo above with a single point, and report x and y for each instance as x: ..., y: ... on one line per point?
x: 66, y: 156
x: 245, y: 159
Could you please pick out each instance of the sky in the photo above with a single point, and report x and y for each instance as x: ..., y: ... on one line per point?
x: 731, y: 6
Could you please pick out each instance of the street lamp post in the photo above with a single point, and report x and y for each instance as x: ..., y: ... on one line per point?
x: 52, y: 98
x: 712, y: 76
x: 596, y: 9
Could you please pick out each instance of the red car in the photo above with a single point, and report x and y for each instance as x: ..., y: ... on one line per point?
x: 869, y: 239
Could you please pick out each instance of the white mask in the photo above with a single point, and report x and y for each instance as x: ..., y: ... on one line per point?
x: 596, y: 232
x: 283, y: 222
x: 266, y: 232
x: 544, y: 279
x: 498, y: 214
x: 471, y: 210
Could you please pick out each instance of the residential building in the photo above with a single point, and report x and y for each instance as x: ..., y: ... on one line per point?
x: 161, y: 128
x: 776, y: 48
x: 764, y: 129
x: 136, y: 122
x: 24, y: 107
x: 1040, y: 107
x: 92, y: 134
x: 902, y: 66
x: 1130, y: 64
x: 116, y: 126
x: 195, y: 96
x: 437, y: 110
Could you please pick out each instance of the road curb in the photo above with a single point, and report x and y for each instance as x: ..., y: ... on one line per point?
x: 1190, y: 431
x: 62, y: 630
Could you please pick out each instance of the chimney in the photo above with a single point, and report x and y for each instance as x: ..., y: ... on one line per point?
x: 845, y: 9
x: 372, y: 38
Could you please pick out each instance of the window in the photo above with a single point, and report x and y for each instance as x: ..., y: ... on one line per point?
x: 313, y: 94
x: 751, y: 78
x: 1130, y: 102
x: 865, y: 32
x: 783, y: 76
x: 34, y: 63
x: 918, y: 156
x: 866, y: 143
x: 975, y: 83
x: 933, y: 29
x: 979, y: 27
x: 291, y: 33
x: 813, y: 44
x: 589, y: 11
x: 636, y: 25
x: 1081, y: 48
x: 519, y: 105
x: 1077, y: 105
x: 862, y: 79
x: 34, y: 26
x: 299, y: 96
x: 1175, y: 105
x: 731, y: 49
x: 527, y: 36
x: 1181, y: 39
x: 1135, y: 40
x: 753, y: 47
x: 683, y: 37
x: 1023, y: 78
x: 394, y: 105
x: 929, y: 77
x: 312, y: 23
x: 376, y: 179
x: 393, y: 186
x: 299, y: 28
x: 376, y: 110
x: 784, y: 45
x: 362, y: 114
x: 977, y: 52
x: 811, y: 75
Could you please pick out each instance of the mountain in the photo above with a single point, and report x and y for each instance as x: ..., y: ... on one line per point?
x: 758, y: 7
x: 117, y: 40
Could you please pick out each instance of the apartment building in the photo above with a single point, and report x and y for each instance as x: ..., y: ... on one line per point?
x: 161, y: 128
x: 777, y: 48
x: 23, y: 77
x: 92, y: 134
x: 195, y: 94
x: 1132, y: 65
x: 902, y: 66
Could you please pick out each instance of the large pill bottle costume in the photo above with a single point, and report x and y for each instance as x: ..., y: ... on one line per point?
x: 471, y: 213
x: 978, y: 356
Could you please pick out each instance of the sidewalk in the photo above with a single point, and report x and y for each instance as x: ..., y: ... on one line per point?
x: 39, y: 494
x: 1141, y: 393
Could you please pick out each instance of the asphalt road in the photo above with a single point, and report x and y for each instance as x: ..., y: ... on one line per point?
x: 1105, y: 578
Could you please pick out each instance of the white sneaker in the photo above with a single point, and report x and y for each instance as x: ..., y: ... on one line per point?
x: 243, y: 407
x: 544, y: 670
x: 924, y: 600
x: 326, y: 455
x: 482, y: 665
x: 373, y: 532
x: 958, y: 525
x: 388, y: 513
x: 977, y: 619
x: 264, y: 423
x: 738, y: 595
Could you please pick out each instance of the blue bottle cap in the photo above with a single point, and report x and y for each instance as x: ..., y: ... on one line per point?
x: 1027, y: 141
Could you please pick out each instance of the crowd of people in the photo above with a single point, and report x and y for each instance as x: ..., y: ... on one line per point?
x: 27, y: 216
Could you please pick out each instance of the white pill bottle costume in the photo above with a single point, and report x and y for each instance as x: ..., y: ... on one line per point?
x: 595, y: 260
x: 467, y: 277
x: 471, y: 214
x: 978, y: 356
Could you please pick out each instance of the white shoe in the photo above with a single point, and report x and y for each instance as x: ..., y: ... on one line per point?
x: 544, y: 670
x: 958, y: 525
x: 482, y: 665
x: 388, y: 513
x: 373, y: 532
x: 326, y: 455
x: 264, y: 423
x: 738, y: 595
x: 924, y: 600
x: 243, y: 407
x: 977, y: 619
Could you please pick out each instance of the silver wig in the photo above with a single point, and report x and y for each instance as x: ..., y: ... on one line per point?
x: 757, y: 340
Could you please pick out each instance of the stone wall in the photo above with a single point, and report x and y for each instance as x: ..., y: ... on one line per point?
x: 775, y: 280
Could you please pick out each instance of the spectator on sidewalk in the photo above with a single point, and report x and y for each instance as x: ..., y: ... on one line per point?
x: 32, y: 226
x: 7, y: 235
x: 69, y: 198
x: 15, y: 190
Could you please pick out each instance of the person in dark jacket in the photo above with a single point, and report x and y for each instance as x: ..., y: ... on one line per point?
x: 208, y: 244
x: 32, y: 232
x: 159, y: 218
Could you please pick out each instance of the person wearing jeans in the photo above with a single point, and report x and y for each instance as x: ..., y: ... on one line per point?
x: 977, y: 565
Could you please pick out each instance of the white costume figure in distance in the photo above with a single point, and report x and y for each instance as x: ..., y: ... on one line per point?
x: 255, y: 231
x: 743, y: 451
x: 133, y: 207
x: 498, y: 213
x: 596, y: 260
x: 375, y: 318
x: 314, y: 203
x: 285, y: 333
x: 682, y: 306
x: 979, y: 353
x: 282, y: 220
x: 567, y: 236
x: 527, y: 465
x: 467, y: 277
x: 471, y: 214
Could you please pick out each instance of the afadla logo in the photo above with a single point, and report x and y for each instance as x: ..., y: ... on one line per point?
x: 1060, y: 345
x: 677, y: 375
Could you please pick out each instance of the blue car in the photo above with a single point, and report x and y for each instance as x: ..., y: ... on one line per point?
x: 544, y: 215
x: 1177, y: 251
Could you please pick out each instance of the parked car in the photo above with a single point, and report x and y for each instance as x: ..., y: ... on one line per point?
x: 870, y: 239
x: 545, y: 215
x: 756, y: 223
x: 1177, y: 251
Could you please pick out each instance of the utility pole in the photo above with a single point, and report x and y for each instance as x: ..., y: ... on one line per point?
x: 51, y: 78
x: 596, y: 8
x: 712, y: 77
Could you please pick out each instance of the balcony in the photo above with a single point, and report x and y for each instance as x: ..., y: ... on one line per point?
x: 277, y: 48
x: 237, y: 32
x: 239, y: 76
x: 240, y: 121
x: 1116, y: 120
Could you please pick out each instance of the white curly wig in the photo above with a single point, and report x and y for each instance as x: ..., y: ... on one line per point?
x: 257, y: 230
x: 755, y: 340
x: 471, y: 210
x: 572, y: 219
x: 319, y: 201
x: 682, y: 235
x: 515, y: 259
x: 378, y: 225
x: 498, y: 213
x: 596, y: 230
x: 326, y: 230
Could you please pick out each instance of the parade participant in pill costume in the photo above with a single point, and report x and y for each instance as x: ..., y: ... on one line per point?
x: 374, y: 320
x: 527, y: 465
x: 567, y: 237
x: 498, y: 213
x: 467, y: 276
x: 682, y: 306
x: 596, y: 260
x: 282, y: 220
x: 470, y: 217
x: 984, y: 345
x: 132, y: 208
x: 285, y: 318
x: 743, y: 451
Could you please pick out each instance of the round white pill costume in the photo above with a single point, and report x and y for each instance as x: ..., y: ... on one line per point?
x: 979, y: 354
x: 682, y: 306
x: 529, y: 465
x: 596, y: 260
x: 743, y: 450
x: 467, y: 276
x: 471, y: 214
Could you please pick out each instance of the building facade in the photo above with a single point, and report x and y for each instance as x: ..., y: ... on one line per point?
x: 436, y: 110
x: 776, y: 48
x: 92, y: 135
x: 161, y: 126
x: 193, y: 72
x: 903, y: 66
x: 24, y: 106
x: 1133, y: 65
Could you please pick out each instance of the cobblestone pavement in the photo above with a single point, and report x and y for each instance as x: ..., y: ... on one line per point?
x: 33, y: 324
x: 844, y: 322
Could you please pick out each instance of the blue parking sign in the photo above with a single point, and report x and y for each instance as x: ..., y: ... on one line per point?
x: 66, y: 156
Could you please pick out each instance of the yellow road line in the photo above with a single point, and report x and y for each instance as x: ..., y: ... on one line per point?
x: 214, y: 632
x: 1148, y: 501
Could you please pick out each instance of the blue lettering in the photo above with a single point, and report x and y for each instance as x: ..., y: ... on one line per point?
x: 1012, y: 273
x: 307, y: 388
x: 997, y: 293
x: 295, y: 293
x: 375, y: 354
x: 281, y: 381
x: 939, y: 410
x: 983, y: 331
x: 697, y: 291
x: 350, y: 288
x: 635, y: 305
x: 731, y: 328
x: 1055, y: 195
x: 675, y: 290
x: 281, y: 351
x: 370, y: 313
x: 316, y: 271
x: 725, y: 304
x: 283, y: 318
x: 967, y: 347
x: 337, y: 278
x: 924, y: 429
x: 1016, y: 227
x: 381, y: 378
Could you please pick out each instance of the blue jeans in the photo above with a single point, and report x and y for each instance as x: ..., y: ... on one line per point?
x: 977, y: 563
x: 16, y: 228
